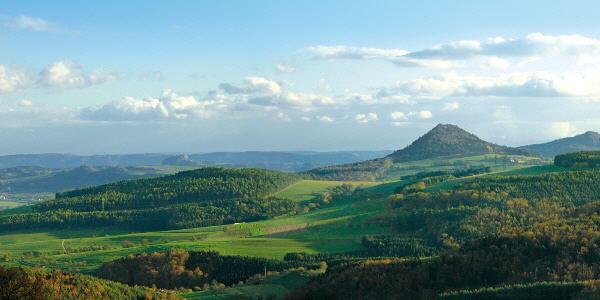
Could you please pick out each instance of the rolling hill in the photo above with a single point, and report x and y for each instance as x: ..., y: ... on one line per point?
x: 202, y: 197
x: 444, y: 140
x: 583, y: 142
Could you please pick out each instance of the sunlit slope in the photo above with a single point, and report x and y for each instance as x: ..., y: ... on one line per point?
x: 335, y: 227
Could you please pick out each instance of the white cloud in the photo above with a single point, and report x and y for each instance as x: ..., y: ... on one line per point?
x: 62, y: 74
x: 398, y: 116
x: 168, y: 106
x: 397, y: 56
x: 366, y: 118
x: 495, y: 51
x: 11, y: 80
x: 424, y: 114
x: 266, y: 92
x: 561, y: 129
x: 254, y: 85
x: 335, y: 52
x: 527, y: 84
x: 31, y: 23
x: 282, y: 68
x: 451, y: 106
x: 325, y: 119
x: 26, y: 103
x: 65, y: 74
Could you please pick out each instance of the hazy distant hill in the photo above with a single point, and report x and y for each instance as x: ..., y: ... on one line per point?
x: 583, y: 142
x: 40, y: 180
x: 274, y: 160
x: 441, y: 141
x: 179, y: 160
x: 67, y: 161
x: 286, y: 161
x: 447, y: 140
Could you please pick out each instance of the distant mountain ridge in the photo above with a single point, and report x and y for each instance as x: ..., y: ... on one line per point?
x: 286, y: 161
x: 41, y: 180
x: 291, y: 161
x: 584, y: 142
x: 448, y: 140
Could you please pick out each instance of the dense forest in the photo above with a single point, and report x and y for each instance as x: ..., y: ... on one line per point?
x: 583, y: 159
x: 497, y: 205
x: 492, y: 261
x: 203, y: 197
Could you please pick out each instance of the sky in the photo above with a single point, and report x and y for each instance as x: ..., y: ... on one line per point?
x: 96, y: 77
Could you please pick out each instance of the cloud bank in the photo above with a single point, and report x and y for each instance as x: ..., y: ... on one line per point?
x: 59, y: 75
x: 495, y: 51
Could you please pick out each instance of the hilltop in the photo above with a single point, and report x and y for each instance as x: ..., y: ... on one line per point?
x: 448, y: 140
x: 583, y: 142
x: 444, y: 140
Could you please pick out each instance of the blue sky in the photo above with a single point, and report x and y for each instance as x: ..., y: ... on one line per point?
x: 198, y: 76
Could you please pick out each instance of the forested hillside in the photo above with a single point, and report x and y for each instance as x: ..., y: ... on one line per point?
x: 18, y: 283
x: 202, y: 197
x: 581, y: 160
x: 493, y: 231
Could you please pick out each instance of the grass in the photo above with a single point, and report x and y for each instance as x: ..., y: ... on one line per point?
x: 337, y: 227
x: 305, y: 190
x: 10, y: 204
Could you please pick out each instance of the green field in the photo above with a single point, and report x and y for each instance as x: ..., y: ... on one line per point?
x: 334, y: 228
x: 10, y: 204
x: 307, y: 189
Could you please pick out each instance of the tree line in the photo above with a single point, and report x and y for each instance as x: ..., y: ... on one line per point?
x: 189, y: 269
